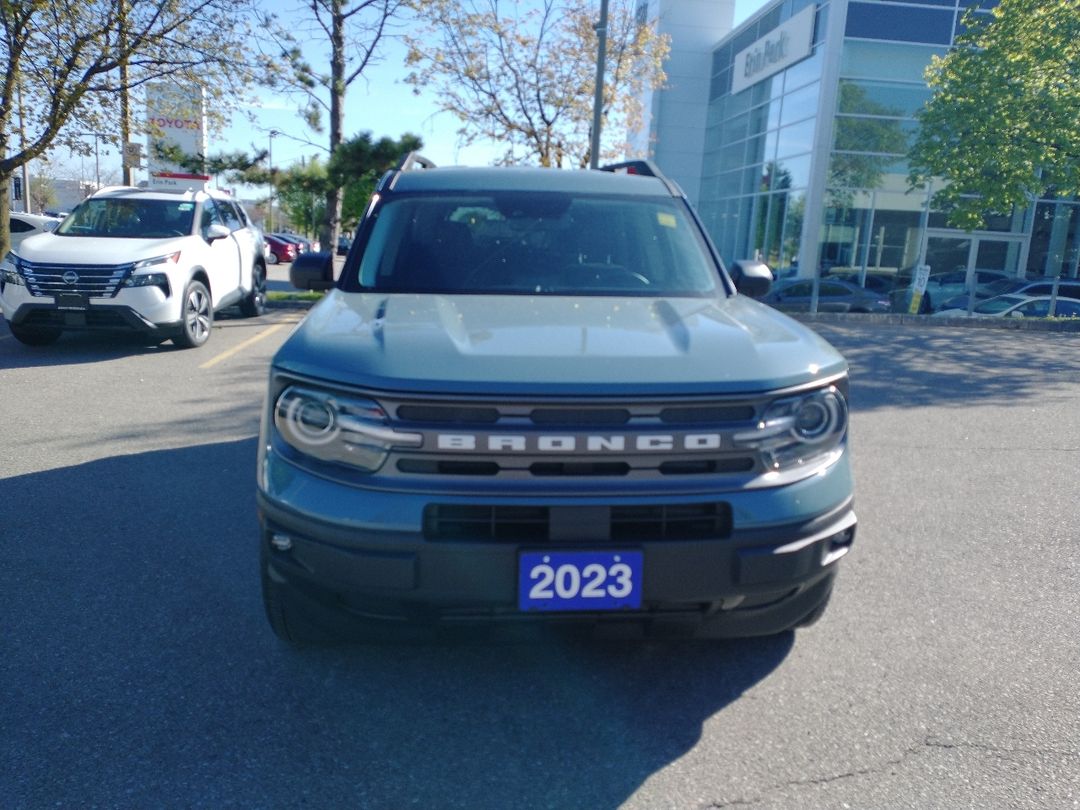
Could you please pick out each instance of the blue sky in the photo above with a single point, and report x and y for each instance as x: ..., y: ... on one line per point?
x: 381, y: 103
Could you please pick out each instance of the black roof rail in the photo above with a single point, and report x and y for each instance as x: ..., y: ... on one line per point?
x: 646, y: 168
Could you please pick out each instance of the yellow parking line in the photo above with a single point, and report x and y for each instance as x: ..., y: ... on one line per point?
x: 241, y: 346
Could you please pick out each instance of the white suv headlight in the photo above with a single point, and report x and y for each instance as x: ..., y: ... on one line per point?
x: 338, y: 429
x: 797, y: 430
x: 9, y: 270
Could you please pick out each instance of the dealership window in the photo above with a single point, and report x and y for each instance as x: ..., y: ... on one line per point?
x: 886, y: 60
x: 902, y: 23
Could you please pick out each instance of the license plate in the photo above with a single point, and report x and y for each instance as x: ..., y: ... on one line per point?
x: 579, y: 580
x: 72, y: 301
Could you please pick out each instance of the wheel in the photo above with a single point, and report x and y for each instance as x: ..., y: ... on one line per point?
x: 285, y: 614
x: 271, y: 258
x: 254, y: 303
x: 197, y: 316
x: 34, y: 337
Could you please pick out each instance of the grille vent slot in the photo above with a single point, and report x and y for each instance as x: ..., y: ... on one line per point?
x: 637, y: 523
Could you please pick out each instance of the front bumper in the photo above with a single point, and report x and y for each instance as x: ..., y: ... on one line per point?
x: 145, y: 310
x: 366, y: 552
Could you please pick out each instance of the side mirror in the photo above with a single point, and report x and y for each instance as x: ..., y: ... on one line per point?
x: 751, y: 277
x: 312, y: 271
x: 217, y: 231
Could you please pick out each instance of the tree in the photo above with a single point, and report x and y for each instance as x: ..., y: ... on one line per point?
x: 42, y: 192
x: 357, y: 166
x: 1003, y: 124
x: 523, y: 73
x: 301, y: 195
x: 71, y: 64
x: 354, y: 31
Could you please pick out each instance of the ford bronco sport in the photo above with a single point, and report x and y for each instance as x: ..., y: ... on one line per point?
x: 537, y: 395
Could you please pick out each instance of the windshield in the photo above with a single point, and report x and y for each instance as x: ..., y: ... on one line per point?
x: 129, y: 218
x: 1006, y: 285
x: 1000, y: 304
x: 537, y: 243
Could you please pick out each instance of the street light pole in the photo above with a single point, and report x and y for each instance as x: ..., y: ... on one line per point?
x: 270, y: 162
x: 598, y: 99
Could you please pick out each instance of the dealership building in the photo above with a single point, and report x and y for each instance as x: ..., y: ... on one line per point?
x: 789, y: 134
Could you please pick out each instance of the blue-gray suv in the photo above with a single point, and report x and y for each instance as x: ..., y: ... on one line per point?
x: 538, y: 396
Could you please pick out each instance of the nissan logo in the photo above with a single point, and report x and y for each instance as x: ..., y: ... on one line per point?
x: 70, y: 277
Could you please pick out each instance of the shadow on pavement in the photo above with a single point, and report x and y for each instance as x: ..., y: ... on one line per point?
x: 138, y: 670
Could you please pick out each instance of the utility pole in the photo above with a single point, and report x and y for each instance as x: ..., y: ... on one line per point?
x: 270, y: 162
x: 598, y: 99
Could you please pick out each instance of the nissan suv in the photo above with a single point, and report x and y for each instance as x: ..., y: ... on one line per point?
x: 155, y: 263
x: 535, y: 395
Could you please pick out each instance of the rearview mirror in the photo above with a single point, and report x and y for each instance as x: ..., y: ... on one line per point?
x: 752, y: 278
x: 312, y: 271
x: 217, y: 231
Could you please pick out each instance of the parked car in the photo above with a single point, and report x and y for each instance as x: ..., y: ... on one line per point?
x: 537, y: 396
x: 942, y: 286
x: 1017, y: 306
x: 154, y: 263
x: 880, y: 283
x: 1067, y: 288
x: 302, y: 244
x: 833, y: 296
x: 23, y: 226
x: 344, y: 242
x: 279, y: 250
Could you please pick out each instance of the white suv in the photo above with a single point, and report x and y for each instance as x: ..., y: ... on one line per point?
x: 158, y: 263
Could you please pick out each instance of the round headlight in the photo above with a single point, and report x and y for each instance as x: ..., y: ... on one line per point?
x: 817, y: 417
x: 312, y: 420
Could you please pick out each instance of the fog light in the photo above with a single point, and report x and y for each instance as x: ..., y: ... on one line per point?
x: 281, y: 542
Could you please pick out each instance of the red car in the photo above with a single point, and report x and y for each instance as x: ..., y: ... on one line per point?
x: 278, y: 250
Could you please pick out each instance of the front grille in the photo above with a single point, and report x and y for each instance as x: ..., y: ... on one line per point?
x: 624, y: 524
x: 92, y: 280
x: 568, y: 439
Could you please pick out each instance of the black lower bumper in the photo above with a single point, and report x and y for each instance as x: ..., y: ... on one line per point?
x: 753, y: 582
x: 107, y: 318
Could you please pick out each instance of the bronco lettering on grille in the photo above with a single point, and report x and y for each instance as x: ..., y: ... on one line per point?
x: 516, y: 443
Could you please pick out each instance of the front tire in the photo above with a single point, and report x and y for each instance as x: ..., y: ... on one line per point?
x: 34, y: 337
x: 271, y: 258
x: 197, y: 316
x: 254, y: 303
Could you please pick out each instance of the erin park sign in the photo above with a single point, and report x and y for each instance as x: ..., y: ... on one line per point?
x: 780, y: 48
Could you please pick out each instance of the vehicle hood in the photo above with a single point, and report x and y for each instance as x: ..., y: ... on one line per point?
x: 555, y: 345
x: 48, y: 247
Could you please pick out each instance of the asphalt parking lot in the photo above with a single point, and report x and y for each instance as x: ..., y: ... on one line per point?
x: 138, y: 670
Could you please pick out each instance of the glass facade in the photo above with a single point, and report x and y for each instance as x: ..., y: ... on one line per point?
x: 806, y: 169
x: 757, y: 163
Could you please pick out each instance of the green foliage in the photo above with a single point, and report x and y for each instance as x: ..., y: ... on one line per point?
x: 358, y: 164
x: 1003, y: 125
x: 66, y: 67
x: 301, y: 194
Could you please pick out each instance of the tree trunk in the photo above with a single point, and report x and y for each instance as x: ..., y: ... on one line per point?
x: 332, y: 222
x: 5, y: 211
